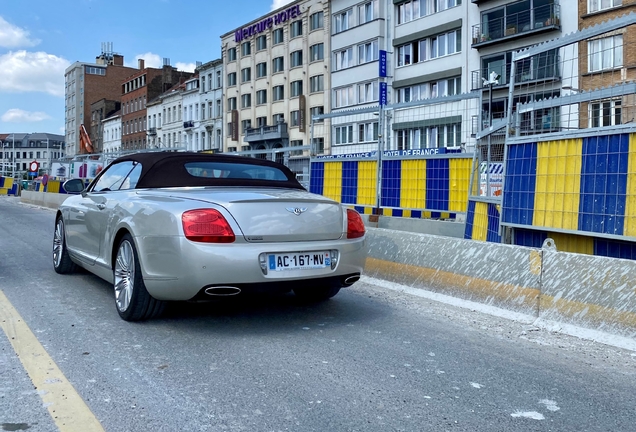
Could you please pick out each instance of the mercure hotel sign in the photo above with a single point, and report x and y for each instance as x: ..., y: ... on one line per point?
x: 267, y: 23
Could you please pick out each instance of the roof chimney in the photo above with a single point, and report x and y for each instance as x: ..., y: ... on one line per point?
x: 141, y: 64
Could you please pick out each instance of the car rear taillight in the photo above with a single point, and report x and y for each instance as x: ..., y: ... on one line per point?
x: 207, y: 225
x: 355, y: 225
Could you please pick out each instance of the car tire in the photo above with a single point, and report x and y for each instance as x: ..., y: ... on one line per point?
x: 132, y: 299
x: 316, y: 294
x: 62, y: 262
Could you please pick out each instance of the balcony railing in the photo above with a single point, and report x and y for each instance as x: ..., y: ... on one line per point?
x: 512, y: 26
x: 188, y: 124
x: 152, y: 131
x: 264, y: 133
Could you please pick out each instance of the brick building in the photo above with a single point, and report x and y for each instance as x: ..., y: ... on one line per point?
x: 100, y: 110
x: 136, y: 90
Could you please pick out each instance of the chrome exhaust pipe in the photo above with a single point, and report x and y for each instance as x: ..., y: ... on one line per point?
x: 351, y: 280
x: 222, y: 291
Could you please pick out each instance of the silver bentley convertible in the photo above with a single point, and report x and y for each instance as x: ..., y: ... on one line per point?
x: 185, y: 226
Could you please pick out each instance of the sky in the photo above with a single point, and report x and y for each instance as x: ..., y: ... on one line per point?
x: 39, y: 39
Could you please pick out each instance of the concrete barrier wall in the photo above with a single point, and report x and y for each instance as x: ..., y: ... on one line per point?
x: 593, y: 292
x: 43, y: 199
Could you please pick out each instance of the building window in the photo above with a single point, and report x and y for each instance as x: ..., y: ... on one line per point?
x: 261, y: 97
x: 261, y: 70
x: 316, y: 21
x: 279, y: 93
x: 343, y: 59
x: 605, y: 113
x: 605, y: 53
x: 367, y: 132
x: 246, y: 75
x: 278, y: 64
x: 319, y: 145
x: 278, y: 118
x: 294, y: 118
x: 317, y: 52
x: 261, y: 121
x: 245, y: 125
x: 246, y: 100
x: 316, y: 83
x: 231, y: 104
x: 599, y: 5
x: 368, y: 12
x: 278, y: 36
x: 231, y: 54
x: 246, y: 48
x: 203, y: 84
x: 368, y: 52
x: 218, y: 107
x: 344, y: 134
x: 261, y: 43
x: 368, y: 92
x: 516, y: 17
x: 343, y: 21
x: 296, y: 88
x: 319, y: 110
x: 218, y: 79
x: 296, y: 59
x: 296, y: 29
x: 231, y: 79
x: 343, y: 97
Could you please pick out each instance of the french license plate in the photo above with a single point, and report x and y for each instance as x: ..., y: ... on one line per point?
x: 299, y: 261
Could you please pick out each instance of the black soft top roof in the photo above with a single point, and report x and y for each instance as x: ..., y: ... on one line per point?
x: 167, y: 169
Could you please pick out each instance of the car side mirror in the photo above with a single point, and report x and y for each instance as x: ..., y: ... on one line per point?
x: 73, y: 186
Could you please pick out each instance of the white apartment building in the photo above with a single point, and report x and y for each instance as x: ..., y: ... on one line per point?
x: 112, y: 133
x: 194, y: 133
x: 210, y: 127
x: 172, y: 124
x: 359, y: 31
x: 154, y: 110
x: 276, y: 74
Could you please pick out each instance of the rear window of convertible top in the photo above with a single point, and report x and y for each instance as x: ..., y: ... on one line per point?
x: 234, y: 171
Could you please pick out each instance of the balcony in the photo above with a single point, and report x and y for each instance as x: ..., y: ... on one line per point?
x: 265, y: 133
x: 504, y: 24
x: 529, y: 71
x: 188, y: 124
x: 152, y: 131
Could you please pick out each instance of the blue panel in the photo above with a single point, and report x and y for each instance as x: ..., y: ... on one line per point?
x: 529, y: 238
x: 436, y: 215
x: 359, y: 209
x: 437, y: 181
x: 615, y: 249
x: 397, y: 213
x: 470, y: 220
x: 349, y: 182
x: 604, y: 184
x: 416, y: 214
x: 492, y: 233
x: 317, y: 178
x: 391, y: 179
x: 519, y: 187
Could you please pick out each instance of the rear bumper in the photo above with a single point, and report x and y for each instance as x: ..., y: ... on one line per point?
x: 175, y: 268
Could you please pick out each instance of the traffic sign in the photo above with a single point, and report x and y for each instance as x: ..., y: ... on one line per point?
x: 34, y: 166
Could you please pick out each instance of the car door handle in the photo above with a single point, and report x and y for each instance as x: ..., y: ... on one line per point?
x: 101, y: 206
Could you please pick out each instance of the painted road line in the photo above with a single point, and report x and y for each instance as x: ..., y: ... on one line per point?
x: 67, y: 408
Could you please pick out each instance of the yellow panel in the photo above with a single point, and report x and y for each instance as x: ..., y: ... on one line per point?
x: 367, y: 183
x: 53, y: 186
x: 573, y: 243
x: 459, y: 182
x: 629, y: 229
x: 333, y: 181
x: 426, y: 215
x: 8, y: 182
x: 387, y: 212
x: 368, y: 210
x: 413, y: 188
x: 406, y: 213
x: 480, y: 222
x: 558, y: 186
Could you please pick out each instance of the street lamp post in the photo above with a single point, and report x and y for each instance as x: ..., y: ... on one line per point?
x: 492, y: 80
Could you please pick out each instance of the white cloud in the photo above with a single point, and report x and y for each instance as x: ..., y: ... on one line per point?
x: 186, y: 67
x: 280, y: 3
x: 16, y: 115
x: 14, y: 37
x: 22, y: 71
x: 150, y: 60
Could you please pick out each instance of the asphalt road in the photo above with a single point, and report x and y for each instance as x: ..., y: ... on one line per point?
x: 367, y: 360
